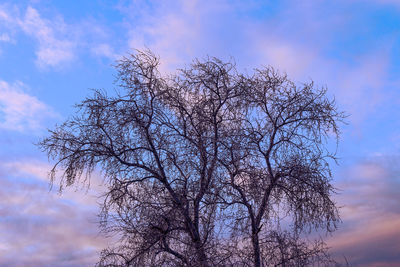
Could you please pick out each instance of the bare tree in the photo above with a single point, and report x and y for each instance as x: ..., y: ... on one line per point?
x: 208, y: 167
x: 278, y: 168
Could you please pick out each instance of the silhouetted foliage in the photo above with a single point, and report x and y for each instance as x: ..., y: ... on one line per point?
x: 208, y: 167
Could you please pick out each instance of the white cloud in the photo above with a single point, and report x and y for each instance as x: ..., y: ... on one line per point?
x: 4, y: 37
x: 182, y: 30
x: 7, y: 15
x: 56, y: 45
x: 19, y: 110
x: 57, y: 42
x: 52, y: 50
x: 286, y: 56
x: 7, y: 24
x: 104, y: 50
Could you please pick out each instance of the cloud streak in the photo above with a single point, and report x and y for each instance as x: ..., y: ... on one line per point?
x: 336, y: 44
x: 52, y: 51
x: 301, y: 39
x: 371, y: 214
x: 57, y: 43
x: 20, y: 111
x: 42, y: 228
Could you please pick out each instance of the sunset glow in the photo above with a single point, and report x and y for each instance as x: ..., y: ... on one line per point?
x: 53, y: 53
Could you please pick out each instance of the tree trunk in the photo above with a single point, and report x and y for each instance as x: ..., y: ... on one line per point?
x: 201, y: 255
x: 256, y: 247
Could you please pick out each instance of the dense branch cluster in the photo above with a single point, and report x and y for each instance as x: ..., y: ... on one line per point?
x: 208, y: 167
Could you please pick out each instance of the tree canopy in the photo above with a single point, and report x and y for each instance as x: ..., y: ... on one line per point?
x: 206, y: 167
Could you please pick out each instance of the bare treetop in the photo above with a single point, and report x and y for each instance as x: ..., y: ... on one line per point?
x: 208, y: 167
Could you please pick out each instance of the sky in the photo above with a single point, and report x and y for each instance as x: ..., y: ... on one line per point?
x: 52, y: 53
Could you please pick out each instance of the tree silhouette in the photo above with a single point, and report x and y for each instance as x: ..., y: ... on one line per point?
x: 208, y: 167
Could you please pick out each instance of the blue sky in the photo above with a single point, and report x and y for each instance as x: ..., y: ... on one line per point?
x: 53, y: 52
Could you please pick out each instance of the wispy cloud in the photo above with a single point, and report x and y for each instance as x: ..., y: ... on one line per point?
x: 181, y: 30
x: 21, y: 111
x: 371, y: 214
x: 57, y: 43
x: 52, y: 50
x: 4, y: 37
x: 315, y: 40
x: 89, y: 190
x: 104, y: 49
x: 42, y: 228
x: 301, y: 39
x: 361, y: 87
x: 7, y: 23
x: 326, y: 42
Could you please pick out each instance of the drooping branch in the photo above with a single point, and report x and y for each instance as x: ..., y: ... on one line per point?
x: 207, y: 167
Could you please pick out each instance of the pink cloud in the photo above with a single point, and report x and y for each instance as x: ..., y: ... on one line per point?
x: 371, y: 214
x: 42, y: 228
x: 296, y: 40
x: 180, y: 31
